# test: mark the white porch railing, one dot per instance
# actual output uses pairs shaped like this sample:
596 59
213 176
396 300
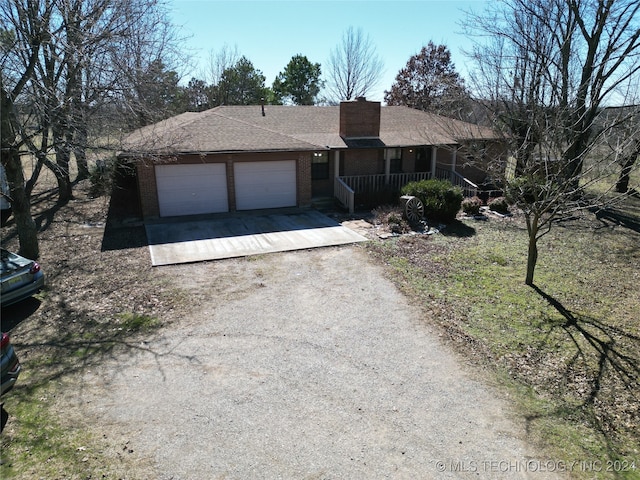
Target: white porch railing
469 188
344 194
376 183
345 188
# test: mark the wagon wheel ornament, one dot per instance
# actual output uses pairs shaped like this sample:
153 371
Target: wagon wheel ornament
414 210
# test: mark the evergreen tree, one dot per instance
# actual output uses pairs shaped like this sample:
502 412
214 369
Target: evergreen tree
299 83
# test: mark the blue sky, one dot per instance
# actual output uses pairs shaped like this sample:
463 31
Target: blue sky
270 32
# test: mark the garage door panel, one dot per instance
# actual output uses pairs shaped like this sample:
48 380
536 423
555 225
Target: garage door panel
265 184
192 189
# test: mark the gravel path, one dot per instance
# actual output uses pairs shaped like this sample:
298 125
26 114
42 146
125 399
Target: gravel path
309 365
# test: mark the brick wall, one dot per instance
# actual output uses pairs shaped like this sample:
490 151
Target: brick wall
363 162
304 179
147 189
231 183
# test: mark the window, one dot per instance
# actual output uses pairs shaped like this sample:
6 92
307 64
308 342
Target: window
395 157
320 166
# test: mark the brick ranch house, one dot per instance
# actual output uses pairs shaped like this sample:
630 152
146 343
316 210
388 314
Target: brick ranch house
232 158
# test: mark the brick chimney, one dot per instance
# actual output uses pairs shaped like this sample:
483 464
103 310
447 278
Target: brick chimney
360 119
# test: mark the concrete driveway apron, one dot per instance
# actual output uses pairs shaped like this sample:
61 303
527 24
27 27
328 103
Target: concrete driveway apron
239 235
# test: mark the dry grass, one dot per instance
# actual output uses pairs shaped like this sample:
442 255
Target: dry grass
570 348
101 296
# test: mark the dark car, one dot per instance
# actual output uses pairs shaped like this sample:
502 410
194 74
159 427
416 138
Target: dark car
19 277
10 365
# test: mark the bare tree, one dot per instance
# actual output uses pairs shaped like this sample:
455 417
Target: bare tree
354 68
627 163
624 143
429 82
64 64
148 60
25 27
547 70
227 57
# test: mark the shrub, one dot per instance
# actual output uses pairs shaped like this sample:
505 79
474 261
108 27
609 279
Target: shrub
471 206
394 218
523 189
391 218
499 205
101 177
441 199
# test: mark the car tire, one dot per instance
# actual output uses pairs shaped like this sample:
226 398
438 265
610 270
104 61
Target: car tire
5 418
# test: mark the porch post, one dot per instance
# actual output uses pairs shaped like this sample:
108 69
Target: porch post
336 163
454 159
387 167
434 156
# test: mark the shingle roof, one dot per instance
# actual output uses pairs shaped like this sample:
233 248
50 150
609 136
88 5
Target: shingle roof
244 128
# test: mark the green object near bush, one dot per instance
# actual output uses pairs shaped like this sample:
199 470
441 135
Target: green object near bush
441 199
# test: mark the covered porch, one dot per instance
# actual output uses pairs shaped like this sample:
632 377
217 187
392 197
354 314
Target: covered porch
346 188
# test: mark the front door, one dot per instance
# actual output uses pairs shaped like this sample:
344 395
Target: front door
423 159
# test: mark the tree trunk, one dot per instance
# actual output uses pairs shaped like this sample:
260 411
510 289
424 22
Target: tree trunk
80 152
573 164
65 191
61 171
21 206
83 167
532 253
622 185
20 200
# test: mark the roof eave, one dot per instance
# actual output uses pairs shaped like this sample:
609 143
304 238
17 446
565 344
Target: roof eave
167 153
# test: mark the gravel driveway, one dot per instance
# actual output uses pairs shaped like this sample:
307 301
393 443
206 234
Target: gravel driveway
306 365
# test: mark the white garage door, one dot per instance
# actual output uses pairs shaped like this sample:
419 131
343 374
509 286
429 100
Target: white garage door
265 184
192 189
